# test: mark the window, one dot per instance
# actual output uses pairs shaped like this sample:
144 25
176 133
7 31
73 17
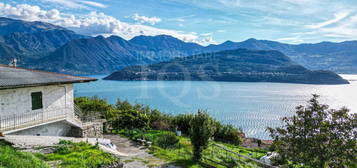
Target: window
36 98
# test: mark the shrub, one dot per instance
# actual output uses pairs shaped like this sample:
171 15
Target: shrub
160 121
202 129
92 105
11 158
227 134
161 125
182 123
167 140
131 119
317 136
80 155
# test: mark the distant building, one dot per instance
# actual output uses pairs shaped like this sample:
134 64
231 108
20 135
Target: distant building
38 103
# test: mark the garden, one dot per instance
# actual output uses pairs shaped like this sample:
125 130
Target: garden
66 154
170 137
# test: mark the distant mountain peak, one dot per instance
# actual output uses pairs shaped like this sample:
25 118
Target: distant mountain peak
251 40
240 65
228 42
8 26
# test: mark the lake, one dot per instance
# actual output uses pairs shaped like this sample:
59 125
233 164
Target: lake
250 106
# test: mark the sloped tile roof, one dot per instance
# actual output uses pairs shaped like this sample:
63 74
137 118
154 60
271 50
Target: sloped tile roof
14 77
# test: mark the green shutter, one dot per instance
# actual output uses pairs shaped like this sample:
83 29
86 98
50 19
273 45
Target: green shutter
36 98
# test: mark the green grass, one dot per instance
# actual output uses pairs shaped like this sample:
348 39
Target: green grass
12 158
182 155
69 155
79 155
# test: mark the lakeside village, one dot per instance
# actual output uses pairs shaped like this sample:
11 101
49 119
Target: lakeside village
42 125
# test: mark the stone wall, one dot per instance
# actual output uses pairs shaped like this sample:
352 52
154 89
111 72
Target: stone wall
89 130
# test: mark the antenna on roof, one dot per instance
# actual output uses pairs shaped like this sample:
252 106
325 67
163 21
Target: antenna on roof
13 62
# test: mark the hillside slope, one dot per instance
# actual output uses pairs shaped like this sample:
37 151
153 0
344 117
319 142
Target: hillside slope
239 65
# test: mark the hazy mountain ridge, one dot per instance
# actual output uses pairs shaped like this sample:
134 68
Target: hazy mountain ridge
339 57
44 46
92 55
239 65
28 41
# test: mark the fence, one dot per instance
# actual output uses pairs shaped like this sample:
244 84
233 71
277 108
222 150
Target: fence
229 158
28 119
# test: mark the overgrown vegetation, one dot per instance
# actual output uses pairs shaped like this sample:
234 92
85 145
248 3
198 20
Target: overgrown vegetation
181 153
79 155
67 154
124 115
12 158
141 123
202 129
317 137
167 140
314 137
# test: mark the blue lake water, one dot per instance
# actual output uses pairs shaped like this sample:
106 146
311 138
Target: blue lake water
250 106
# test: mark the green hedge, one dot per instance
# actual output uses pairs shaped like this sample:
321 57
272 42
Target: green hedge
124 115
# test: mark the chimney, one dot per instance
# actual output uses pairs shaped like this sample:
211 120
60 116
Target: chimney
13 62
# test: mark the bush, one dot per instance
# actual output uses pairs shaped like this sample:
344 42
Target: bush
131 119
202 129
317 136
227 134
182 123
167 140
80 155
92 105
160 121
11 158
161 125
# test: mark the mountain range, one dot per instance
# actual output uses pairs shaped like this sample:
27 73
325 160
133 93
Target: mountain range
45 46
240 65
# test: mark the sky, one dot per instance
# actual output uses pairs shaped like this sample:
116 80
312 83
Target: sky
201 21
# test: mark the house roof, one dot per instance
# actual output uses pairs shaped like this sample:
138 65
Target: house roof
14 77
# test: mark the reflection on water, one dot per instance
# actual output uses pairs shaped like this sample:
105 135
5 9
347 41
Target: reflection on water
251 106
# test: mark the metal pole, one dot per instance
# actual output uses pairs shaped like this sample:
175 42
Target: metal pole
14 121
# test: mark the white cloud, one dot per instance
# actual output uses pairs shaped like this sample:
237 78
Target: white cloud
77 3
67 3
206 34
95 4
93 23
145 19
345 29
338 17
231 3
291 40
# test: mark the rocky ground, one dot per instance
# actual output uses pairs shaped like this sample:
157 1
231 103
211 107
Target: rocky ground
137 156
131 154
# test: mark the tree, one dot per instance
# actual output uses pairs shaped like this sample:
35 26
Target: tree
318 136
131 119
91 106
202 129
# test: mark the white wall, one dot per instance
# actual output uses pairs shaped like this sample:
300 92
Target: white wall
56 99
53 129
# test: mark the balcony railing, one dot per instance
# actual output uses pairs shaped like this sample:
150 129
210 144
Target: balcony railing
34 118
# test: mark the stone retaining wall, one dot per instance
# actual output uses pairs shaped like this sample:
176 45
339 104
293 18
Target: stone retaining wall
89 130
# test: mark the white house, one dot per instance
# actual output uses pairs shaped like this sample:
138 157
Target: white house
37 103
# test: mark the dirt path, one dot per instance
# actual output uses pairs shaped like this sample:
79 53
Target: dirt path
137 156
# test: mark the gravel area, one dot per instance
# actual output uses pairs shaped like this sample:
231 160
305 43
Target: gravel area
137 156
130 153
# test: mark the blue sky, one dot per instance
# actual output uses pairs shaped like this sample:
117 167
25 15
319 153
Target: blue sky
201 21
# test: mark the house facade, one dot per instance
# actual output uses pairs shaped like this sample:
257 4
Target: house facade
37 103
